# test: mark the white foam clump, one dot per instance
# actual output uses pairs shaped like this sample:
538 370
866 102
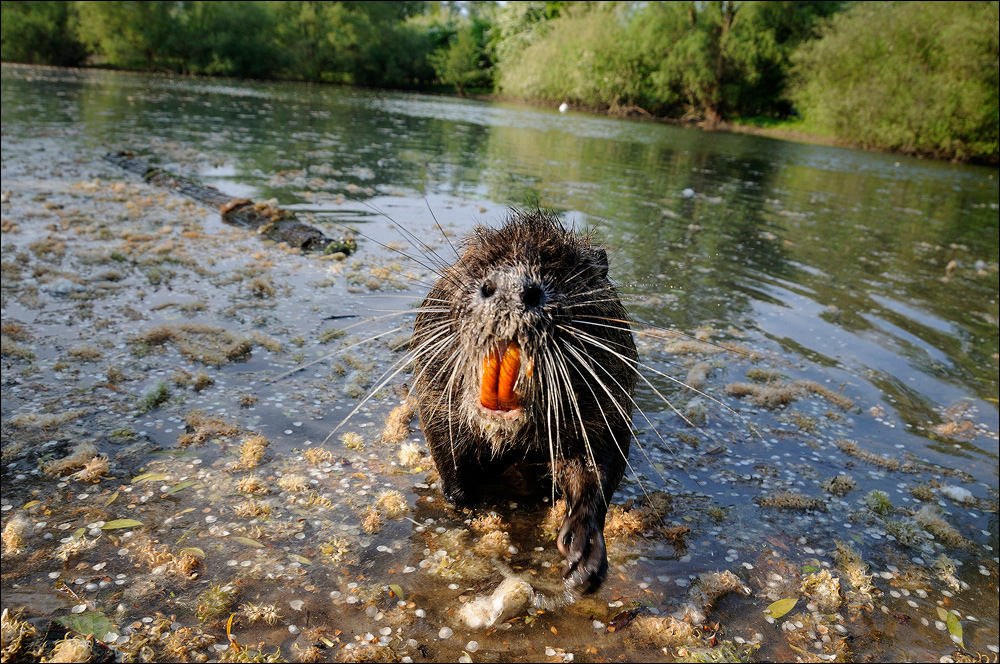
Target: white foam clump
958 494
510 597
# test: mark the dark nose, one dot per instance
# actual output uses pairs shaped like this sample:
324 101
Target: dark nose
531 295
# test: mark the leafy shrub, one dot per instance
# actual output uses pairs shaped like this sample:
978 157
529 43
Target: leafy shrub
919 77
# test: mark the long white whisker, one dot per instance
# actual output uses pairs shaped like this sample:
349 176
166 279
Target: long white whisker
385 379
596 341
625 414
303 367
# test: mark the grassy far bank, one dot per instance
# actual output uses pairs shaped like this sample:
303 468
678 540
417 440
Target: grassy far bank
919 78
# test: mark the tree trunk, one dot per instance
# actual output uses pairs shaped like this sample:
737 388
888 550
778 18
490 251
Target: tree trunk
274 223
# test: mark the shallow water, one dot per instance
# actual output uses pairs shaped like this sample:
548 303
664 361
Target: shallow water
873 276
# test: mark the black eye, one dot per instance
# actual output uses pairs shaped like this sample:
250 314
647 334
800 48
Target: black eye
488 288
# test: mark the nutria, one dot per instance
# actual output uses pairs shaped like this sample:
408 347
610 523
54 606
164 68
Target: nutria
523 353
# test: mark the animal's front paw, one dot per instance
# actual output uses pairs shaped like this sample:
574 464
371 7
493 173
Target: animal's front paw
581 540
455 494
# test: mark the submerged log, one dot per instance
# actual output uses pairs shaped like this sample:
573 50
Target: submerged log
272 222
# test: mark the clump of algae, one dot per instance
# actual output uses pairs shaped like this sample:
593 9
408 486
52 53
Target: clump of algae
409 455
930 519
454 559
698 374
78 458
487 523
201 343
335 549
625 523
944 569
201 427
17 636
266 613
841 485
661 631
74 649
367 652
215 602
158 556
771 394
493 544
251 509
317 456
851 448
46 420
15 534
879 502
252 452
155 397
93 470
397 424
353 441
293 482
391 504
856 571
823 588
371 521
67 551
251 484
791 501
250 655
553 520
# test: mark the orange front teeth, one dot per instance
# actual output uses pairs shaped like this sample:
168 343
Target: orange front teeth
500 368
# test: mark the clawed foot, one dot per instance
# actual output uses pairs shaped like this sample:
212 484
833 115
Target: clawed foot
581 540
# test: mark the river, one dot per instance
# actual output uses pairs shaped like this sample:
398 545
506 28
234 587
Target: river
817 416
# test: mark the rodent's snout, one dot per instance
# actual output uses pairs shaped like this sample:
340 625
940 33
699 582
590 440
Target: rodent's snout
525 290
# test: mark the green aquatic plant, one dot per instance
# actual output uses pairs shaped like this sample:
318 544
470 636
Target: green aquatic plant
879 502
215 602
154 398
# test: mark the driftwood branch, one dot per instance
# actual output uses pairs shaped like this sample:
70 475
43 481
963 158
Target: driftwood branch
272 222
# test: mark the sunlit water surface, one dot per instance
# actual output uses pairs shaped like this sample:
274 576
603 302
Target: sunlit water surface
873 277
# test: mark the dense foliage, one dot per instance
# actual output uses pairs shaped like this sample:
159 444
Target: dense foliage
919 77
914 77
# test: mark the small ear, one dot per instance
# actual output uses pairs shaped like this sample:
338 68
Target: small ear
599 262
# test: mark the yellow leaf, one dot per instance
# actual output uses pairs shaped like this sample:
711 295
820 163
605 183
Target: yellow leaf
781 607
121 523
178 487
248 542
955 628
149 477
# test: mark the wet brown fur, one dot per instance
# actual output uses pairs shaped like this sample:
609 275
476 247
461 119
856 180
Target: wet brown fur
547 287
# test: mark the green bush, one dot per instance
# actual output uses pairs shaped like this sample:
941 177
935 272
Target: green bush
918 77
583 58
40 33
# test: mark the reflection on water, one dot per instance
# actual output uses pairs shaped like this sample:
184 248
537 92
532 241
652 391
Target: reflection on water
871 276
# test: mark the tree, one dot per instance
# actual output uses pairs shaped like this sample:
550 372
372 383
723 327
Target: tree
41 33
461 62
704 54
230 38
129 32
911 76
